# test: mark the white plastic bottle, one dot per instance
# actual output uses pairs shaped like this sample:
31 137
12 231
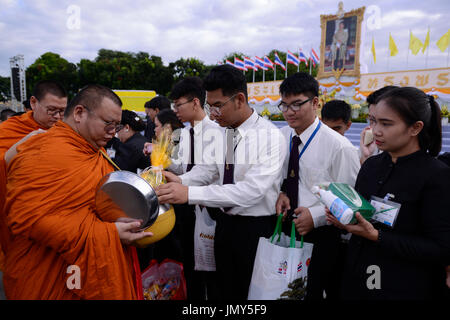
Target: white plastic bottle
337 207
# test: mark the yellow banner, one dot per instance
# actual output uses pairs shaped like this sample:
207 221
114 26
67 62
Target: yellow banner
268 88
424 79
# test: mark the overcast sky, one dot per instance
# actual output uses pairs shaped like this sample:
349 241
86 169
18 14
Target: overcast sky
210 29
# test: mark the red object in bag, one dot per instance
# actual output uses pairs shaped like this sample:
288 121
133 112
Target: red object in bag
164 281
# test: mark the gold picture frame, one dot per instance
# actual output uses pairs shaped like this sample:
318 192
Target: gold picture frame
339 50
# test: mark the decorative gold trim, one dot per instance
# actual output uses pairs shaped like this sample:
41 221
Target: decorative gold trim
323 24
419 70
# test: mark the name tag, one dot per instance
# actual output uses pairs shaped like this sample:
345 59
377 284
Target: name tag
386 211
111 152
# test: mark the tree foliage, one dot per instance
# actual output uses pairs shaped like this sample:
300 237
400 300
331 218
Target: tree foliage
132 71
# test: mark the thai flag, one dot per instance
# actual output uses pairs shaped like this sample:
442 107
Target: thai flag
219 63
267 62
249 63
292 59
302 56
239 64
260 63
229 62
314 57
279 62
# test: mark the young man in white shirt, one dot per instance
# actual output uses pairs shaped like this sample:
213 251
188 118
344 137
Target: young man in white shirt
248 163
317 154
188 96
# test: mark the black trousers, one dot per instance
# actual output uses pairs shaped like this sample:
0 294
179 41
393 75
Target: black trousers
235 246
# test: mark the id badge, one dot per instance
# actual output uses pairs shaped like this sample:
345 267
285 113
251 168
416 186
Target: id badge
111 152
386 210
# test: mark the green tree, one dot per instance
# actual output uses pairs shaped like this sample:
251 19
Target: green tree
5 89
51 66
189 67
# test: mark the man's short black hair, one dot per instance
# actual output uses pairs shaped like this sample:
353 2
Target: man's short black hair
374 96
159 102
300 83
27 105
190 88
91 96
44 87
227 78
6 113
336 110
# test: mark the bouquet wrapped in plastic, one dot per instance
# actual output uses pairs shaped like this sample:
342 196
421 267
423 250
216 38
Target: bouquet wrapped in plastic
160 159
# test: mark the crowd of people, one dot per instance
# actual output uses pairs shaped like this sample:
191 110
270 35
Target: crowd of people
240 171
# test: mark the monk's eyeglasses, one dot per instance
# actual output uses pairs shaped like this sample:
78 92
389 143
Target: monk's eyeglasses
109 126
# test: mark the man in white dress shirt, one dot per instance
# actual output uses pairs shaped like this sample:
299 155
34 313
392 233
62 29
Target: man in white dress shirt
188 96
317 154
249 180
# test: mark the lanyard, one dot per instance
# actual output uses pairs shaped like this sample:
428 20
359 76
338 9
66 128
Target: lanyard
307 142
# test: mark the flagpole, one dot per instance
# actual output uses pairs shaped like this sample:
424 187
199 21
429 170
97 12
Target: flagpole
264 78
298 66
448 54
253 74
388 55
426 58
275 73
285 74
409 48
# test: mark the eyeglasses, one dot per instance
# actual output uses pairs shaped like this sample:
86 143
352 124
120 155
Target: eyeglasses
216 109
54 112
295 106
109 126
175 107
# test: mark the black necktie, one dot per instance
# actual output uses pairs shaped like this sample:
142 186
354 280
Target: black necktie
292 175
228 171
229 159
192 162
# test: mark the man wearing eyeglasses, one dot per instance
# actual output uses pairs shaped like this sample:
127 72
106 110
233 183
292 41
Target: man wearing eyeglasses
317 154
57 236
188 96
248 163
48 102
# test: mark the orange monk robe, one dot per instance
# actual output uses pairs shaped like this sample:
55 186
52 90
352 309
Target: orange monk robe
11 131
50 212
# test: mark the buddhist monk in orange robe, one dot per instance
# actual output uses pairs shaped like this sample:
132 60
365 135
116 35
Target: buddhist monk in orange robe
50 210
48 102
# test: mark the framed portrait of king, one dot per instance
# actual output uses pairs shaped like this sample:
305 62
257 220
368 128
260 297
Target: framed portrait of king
340 43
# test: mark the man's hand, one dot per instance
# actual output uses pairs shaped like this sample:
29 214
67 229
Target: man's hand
171 177
282 206
130 232
172 192
304 222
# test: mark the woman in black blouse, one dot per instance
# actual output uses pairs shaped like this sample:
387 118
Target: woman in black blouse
130 143
406 261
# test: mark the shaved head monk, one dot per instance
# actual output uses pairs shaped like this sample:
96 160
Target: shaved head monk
61 247
48 102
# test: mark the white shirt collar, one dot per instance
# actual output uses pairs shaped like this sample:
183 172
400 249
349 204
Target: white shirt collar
304 136
248 124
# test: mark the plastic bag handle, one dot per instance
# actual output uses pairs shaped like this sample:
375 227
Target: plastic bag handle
277 228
